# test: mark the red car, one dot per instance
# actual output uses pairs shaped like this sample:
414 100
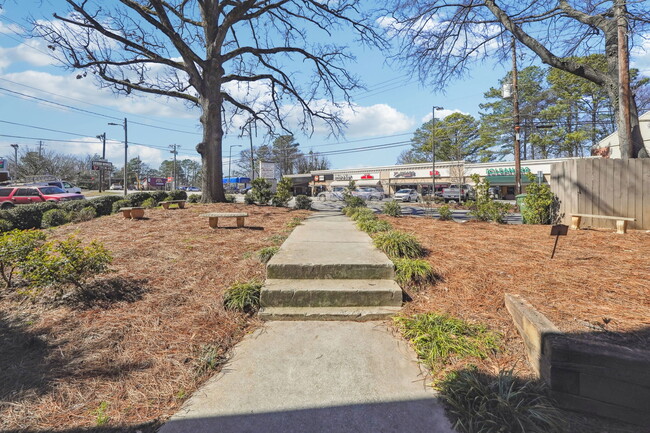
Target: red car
13 195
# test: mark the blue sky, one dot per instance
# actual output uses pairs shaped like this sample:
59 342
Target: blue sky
390 109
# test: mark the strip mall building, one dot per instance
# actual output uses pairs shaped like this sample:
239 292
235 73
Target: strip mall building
420 176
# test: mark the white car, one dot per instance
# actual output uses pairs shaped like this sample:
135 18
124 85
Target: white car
406 195
368 193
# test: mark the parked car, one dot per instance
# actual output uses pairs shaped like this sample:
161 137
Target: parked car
193 188
13 195
115 187
66 186
454 192
407 195
494 192
368 193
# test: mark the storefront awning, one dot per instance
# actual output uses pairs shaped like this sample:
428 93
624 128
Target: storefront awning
340 183
368 182
506 180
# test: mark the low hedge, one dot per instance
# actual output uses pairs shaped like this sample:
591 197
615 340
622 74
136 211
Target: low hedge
104 204
137 198
29 216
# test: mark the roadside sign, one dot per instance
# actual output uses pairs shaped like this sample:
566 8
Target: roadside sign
557 231
3 164
267 170
102 165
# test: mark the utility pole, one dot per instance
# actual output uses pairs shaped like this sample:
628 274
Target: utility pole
250 136
101 169
15 146
515 112
175 152
40 149
125 125
625 142
433 152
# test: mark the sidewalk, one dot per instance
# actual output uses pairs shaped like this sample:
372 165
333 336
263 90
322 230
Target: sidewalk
320 376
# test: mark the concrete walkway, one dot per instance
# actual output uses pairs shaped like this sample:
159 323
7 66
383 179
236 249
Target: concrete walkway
320 376
316 376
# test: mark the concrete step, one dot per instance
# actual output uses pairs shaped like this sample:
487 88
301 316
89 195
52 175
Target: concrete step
359 314
330 293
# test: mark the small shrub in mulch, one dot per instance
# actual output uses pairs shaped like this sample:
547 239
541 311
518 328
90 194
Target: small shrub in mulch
265 254
398 244
479 402
303 202
244 297
392 208
415 273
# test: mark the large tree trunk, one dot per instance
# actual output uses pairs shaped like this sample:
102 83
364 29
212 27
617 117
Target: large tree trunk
210 148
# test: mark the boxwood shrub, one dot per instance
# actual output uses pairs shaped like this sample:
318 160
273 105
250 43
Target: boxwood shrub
194 198
303 202
104 204
75 205
54 218
120 204
136 198
158 195
29 216
176 194
5 225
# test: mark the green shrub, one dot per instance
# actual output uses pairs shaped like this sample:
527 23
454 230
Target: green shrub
303 202
243 297
15 247
65 263
539 205
5 225
354 201
392 208
85 214
374 225
260 191
120 204
104 204
149 203
265 254
158 195
248 199
137 198
363 214
484 208
415 273
176 194
445 213
194 198
29 216
75 205
282 193
230 198
479 402
398 244
437 338
54 218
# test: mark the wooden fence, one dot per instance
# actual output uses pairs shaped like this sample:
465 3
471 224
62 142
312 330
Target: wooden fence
612 187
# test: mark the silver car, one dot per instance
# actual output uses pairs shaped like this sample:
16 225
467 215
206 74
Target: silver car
368 194
406 195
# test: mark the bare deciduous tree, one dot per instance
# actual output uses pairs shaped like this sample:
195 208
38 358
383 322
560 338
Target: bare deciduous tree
233 59
441 38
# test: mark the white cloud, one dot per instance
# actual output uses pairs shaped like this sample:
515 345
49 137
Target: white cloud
441 114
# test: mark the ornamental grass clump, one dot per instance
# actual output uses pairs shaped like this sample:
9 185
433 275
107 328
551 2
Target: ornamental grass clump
363 214
372 226
478 402
244 297
392 208
265 254
415 273
437 338
444 213
398 244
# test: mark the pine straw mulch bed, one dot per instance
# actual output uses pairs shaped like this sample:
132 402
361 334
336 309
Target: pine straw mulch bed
596 287
146 335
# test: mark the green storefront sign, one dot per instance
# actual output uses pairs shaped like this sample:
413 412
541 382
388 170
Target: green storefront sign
507 171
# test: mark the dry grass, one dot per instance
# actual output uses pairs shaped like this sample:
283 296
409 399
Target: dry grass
595 277
137 349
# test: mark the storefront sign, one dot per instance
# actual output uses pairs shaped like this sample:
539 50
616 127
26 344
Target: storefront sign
102 165
267 170
359 176
157 181
417 174
507 171
3 164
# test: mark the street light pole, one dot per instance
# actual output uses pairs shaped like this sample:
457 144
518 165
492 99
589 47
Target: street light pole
101 169
229 160
126 147
433 152
15 146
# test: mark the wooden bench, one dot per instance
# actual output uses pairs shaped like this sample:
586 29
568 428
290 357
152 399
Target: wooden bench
179 203
621 222
132 212
213 217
